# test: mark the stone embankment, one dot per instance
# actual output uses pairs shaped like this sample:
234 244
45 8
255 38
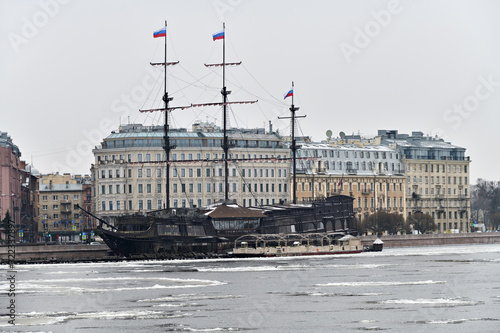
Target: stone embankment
434 239
44 253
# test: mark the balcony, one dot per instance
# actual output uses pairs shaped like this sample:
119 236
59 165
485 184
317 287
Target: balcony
366 192
351 171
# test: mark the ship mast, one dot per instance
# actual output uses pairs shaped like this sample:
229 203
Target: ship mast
224 92
167 146
293 146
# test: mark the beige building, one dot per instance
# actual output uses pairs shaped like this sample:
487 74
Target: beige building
437 177
371 174
60 218
129 171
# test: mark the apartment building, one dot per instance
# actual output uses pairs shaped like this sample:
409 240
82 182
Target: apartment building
371 174
129 170
438 181
60 218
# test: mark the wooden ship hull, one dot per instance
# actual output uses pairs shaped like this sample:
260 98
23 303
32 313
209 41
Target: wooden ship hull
213 231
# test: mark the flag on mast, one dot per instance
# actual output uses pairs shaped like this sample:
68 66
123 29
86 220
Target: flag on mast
288 94
160 33
218 35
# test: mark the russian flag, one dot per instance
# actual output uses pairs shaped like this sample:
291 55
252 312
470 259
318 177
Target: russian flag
218 35
288 94
160 33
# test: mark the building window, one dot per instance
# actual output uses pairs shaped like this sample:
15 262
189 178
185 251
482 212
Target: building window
103 205
158 188
140 188
148 188
140 205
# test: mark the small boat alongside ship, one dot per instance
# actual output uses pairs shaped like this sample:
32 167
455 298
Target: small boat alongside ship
276 245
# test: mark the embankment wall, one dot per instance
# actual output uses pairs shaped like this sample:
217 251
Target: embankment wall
434 239
42 252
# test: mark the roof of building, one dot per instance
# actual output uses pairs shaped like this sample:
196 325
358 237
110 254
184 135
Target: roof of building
60 187
137 131
6 142
323 146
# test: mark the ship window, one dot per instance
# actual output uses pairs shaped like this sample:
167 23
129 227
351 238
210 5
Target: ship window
195 230
168 230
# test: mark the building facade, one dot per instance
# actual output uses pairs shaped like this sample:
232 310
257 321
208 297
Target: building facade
10 178
28 226
60 219
129 170
371 174
437 178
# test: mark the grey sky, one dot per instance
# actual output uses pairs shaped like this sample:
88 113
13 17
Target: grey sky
70 71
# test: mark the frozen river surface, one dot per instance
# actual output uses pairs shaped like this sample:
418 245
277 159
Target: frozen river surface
438 289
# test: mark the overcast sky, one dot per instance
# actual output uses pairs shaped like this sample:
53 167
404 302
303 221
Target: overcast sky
72 70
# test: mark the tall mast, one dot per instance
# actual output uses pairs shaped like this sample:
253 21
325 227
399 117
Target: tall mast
167 146
225 143
224 92
293 147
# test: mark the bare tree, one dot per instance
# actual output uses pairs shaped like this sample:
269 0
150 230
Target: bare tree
381 221
495 220
422 222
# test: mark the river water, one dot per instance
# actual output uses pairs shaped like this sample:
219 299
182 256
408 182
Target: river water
438 289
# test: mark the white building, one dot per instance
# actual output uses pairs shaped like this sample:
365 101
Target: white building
129 170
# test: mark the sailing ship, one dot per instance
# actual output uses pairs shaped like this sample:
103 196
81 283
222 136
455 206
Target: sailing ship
180 231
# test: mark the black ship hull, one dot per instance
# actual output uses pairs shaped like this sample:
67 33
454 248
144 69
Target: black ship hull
193 231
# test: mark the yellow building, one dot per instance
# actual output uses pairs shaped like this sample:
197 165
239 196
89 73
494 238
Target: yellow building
60 218
437 178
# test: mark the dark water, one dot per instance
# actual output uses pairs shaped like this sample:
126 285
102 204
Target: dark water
438 289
